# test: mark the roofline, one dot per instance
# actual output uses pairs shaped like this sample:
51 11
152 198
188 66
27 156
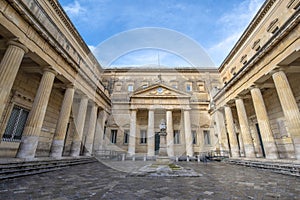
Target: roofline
250 28
144 69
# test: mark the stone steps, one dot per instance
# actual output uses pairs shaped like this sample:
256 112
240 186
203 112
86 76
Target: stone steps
279 166
13 169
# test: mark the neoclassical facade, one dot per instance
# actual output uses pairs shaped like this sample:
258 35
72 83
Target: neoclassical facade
56 100
144 97
51 95
257 109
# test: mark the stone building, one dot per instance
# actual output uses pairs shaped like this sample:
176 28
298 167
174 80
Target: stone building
257 108
56 100
143 97
51 95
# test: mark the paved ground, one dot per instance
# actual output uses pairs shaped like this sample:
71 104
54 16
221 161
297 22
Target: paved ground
98 181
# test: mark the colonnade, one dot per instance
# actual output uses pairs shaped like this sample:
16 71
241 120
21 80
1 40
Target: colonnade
169 130
9 67
290 111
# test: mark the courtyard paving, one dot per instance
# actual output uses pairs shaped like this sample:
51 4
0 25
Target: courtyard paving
111 180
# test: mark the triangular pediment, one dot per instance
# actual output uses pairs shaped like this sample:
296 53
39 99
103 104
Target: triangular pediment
159 90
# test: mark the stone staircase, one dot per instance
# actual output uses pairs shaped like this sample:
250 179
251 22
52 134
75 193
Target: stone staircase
289 167
16 168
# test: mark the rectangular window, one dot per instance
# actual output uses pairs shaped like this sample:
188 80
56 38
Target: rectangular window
188 87
126 136
113 136
206 137
130 88
176 137
194 135
16 124
143 137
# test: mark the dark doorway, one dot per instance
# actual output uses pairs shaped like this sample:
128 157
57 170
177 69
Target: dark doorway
157 141
260 140
229 147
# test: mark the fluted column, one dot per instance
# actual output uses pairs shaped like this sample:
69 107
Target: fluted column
62 123
245 130
91 131
264 123
221 128
100 128
79 126
170 134
9 67
188 133
289 107
132 137
231 133
36 116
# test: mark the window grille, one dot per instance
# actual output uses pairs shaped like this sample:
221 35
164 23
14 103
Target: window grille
113 137
16 124
143 137
206 137
176 137
126 136
194 135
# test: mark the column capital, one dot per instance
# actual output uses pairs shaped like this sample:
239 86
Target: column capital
15 43
84 96
277 69
254 86
70 85
50 69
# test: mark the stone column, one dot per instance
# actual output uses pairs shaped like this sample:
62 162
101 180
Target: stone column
221 128
150 133
231 133
99 133
132 137
188 133
245 130
170 133
9 67
91 131
264 123
36 116
289 107
62 123
79 125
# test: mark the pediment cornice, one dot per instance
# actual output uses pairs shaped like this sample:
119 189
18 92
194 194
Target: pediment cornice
159 90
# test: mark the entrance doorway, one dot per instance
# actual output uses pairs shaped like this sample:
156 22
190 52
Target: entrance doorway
157 141
260 140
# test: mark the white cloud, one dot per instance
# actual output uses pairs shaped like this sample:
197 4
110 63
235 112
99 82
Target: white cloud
232 25
74 9
91 47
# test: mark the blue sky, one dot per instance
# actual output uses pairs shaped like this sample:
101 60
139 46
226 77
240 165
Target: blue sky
214 24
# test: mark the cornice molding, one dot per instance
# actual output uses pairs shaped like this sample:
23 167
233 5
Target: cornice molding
249 30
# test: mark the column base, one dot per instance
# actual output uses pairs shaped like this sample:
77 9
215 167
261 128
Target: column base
57 148
249 151
75 148
270 150
87 153
28 147
150 154
235 153
296 141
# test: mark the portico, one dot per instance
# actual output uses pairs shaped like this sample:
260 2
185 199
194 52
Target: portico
160 101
